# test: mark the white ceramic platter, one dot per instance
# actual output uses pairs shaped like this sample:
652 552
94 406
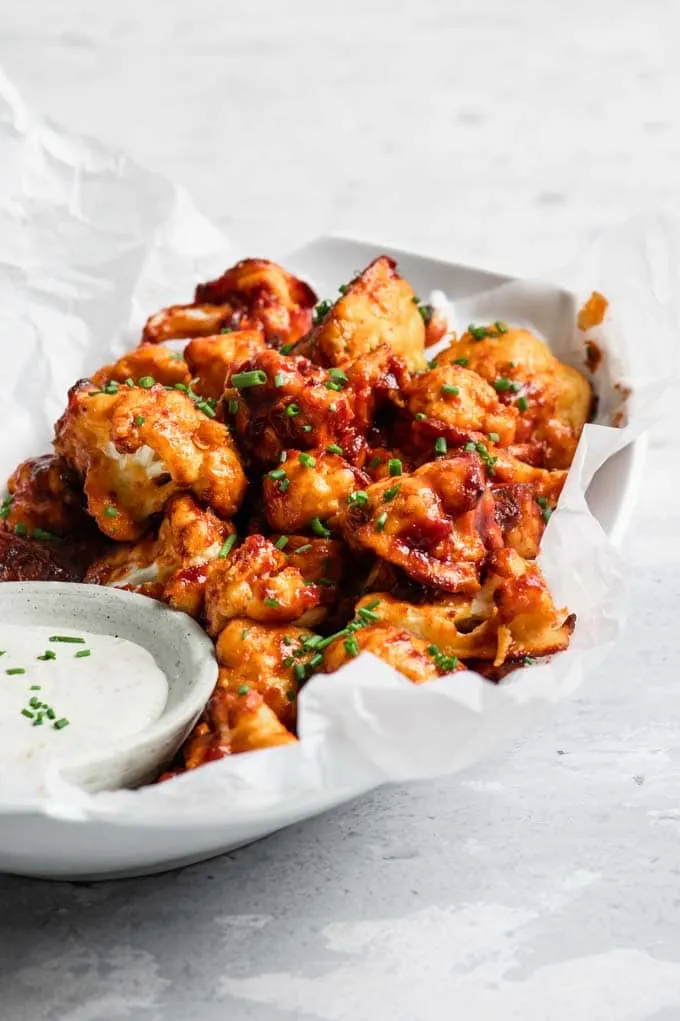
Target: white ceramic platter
53 844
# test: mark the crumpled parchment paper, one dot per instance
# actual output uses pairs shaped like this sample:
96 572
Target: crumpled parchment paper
90 244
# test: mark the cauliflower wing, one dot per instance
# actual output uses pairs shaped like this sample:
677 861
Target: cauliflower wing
276 403
267 659
396 647
308 485
376 307
521 517
453 402
255 293
134 448
554 400
512 617
257 581
435 523
43 500
210 358
148 360
172 566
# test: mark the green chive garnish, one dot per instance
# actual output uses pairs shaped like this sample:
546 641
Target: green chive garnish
304 548
146 382
227 546
83 653
381 521
243 690
278 380
292 410
20 529
501 326
522 404
242 380
40 533
358 499
307 460
394 466
27 713
420 417
139 419
390 493
48 654
440 446
333 448
276 474
232 407
318 527
374 462
494 437
461 361
66 638
351 646
448 389
273 603
60 724
502 384
15 670
282 542
111 512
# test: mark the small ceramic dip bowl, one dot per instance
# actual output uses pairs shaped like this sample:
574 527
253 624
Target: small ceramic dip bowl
127 751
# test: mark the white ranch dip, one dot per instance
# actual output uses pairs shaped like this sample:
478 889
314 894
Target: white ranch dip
65 698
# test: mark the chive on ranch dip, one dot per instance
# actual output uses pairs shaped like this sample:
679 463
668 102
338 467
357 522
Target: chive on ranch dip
67 693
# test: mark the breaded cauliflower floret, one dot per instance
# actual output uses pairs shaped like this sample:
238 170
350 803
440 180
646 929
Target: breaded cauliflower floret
148 360
522 517
255 293
554 400
276 403
435 523
210 358
511 617
43 500
172 566
456 403
134 448
377 307
257 581
266 658
230 724
396 647
308 485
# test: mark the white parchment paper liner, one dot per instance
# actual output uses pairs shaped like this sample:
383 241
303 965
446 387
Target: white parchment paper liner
90 244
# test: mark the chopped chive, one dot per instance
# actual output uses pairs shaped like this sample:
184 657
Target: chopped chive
306 428
34 687
542 502
380 521
243 689
332 384
351 646
276 474
358 499
20 529
50 714
461 361
318 527
227 329
367 615
478 332
288 661
523 404
515 387
139 419
321 311
502 384
448 389
282 542
284 484
227 546
286 349
48 654
326 582
273 603
390 493
420 417
60 724
110 512
372 605
83 653
527 661
40 533
546 514
37 722
291 696
315 661
374 462
470 446
307 460
177 356
501 326
333 448
440 446
494 437
292 410
299 672
243 380
66 638
15 670
283 457
279 379
232 407
244 633
146 382
333 408
287 640
338 375
27 713
303 548
34 702
394 466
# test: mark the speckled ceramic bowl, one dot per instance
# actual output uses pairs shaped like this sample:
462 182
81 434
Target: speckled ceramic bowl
179 646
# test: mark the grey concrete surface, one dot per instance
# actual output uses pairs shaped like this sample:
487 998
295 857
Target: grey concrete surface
543 884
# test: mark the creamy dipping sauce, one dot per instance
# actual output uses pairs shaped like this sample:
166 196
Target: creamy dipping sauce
66 693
